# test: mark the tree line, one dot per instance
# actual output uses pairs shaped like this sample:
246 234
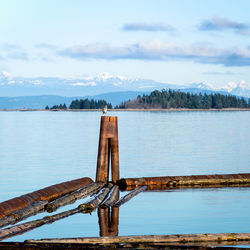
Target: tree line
165 99
83 104
61 106
176 99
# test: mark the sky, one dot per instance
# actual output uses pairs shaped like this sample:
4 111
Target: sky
179 42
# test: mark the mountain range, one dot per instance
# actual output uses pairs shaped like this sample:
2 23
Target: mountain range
20 92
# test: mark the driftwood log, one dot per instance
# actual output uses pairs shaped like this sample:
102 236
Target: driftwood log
170 239
130 195
112 198
49 193
97 200
52 206
23 213
186 181
84 208
139 245
72 197
25 227
155 188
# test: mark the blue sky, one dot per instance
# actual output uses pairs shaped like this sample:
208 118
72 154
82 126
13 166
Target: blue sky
180 42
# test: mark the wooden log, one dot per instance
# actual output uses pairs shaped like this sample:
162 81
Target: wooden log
48 193
24 227
136 245
175 238
97 200
115 151
155 188
23 213
102 168
112 198
72 197
130 195
193 180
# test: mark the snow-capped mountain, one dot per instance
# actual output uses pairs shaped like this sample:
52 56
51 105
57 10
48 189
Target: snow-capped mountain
102 83
240 89
82 86
203 86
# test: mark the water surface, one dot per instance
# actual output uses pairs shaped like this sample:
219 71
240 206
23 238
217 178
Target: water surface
38 149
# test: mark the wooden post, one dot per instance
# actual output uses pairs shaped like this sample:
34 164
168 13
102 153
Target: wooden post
102 160
108 146
115 152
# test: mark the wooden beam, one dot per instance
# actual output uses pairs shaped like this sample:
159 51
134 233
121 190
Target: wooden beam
83 208
114 151
130 195
24 213
97 200
49 193
72 197
186 181
112 198
175 238
102 158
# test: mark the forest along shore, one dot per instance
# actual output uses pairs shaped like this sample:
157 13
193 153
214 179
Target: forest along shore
124 110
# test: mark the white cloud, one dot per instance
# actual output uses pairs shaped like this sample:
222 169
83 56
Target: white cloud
164 51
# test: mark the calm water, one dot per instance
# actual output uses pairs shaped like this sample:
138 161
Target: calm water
38 149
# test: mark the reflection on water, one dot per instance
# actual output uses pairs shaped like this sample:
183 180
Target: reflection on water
108 219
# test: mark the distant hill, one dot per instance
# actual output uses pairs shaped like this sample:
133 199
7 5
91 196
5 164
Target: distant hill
33 102
40 102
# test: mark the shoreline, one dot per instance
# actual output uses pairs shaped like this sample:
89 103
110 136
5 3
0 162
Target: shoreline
124 110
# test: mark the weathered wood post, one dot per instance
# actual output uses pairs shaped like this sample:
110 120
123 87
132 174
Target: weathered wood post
115 151
108 146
